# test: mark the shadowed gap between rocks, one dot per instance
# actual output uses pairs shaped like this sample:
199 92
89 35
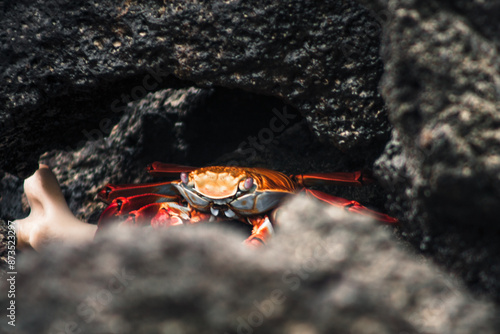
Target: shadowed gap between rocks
230 119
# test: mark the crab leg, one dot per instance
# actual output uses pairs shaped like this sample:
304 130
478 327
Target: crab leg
124 205
112 191
163 169
262 231
159 215
358 178
351 206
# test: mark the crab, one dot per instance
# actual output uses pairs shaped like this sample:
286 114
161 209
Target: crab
218 193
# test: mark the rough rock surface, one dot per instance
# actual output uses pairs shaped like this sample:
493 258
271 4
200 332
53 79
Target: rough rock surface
442 86
12 204
68 64
344 274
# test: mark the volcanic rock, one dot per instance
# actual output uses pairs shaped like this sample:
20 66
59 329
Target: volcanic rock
341 273
69 65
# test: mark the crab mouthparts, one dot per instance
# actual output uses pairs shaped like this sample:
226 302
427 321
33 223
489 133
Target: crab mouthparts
216 209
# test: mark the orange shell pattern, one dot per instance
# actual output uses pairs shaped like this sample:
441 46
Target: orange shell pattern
222 182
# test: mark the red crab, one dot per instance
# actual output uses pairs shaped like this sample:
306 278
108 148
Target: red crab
250 195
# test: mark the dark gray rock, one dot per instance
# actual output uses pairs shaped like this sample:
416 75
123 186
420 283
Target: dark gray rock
67 65
338 273
442 86
441 167
12 205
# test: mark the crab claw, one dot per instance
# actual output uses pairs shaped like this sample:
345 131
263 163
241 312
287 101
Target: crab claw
214 211
158 215
230 213
121 206
262 231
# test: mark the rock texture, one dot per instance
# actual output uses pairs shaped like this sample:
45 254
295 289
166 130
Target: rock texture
344 274
69 64
442 86
12 204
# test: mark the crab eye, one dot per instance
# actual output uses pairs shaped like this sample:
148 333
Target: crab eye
246 185
184 178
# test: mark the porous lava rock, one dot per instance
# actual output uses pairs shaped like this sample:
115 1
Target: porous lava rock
66 65
343 274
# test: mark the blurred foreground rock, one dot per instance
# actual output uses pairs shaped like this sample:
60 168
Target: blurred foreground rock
325 272
441 84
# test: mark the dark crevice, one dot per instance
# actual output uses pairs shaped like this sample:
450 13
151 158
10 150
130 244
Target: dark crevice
227 120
